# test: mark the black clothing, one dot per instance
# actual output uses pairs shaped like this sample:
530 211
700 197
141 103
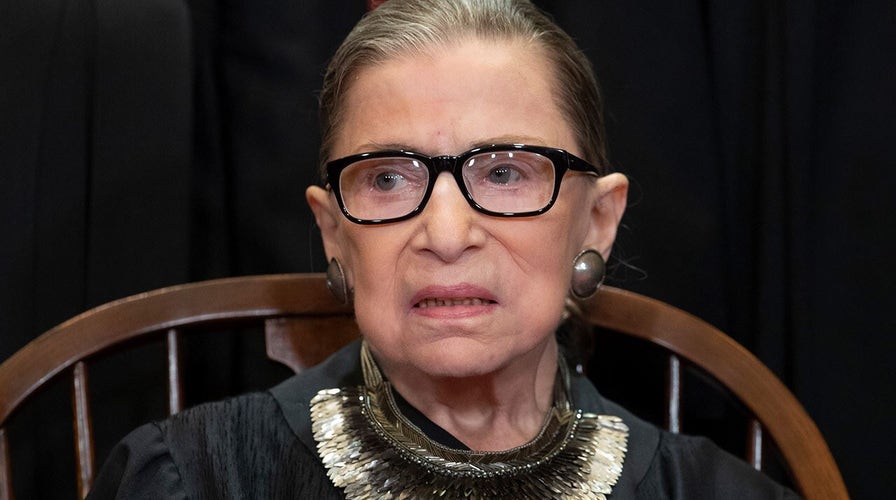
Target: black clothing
260 446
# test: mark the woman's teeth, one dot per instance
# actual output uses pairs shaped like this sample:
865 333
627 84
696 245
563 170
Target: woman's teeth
466 301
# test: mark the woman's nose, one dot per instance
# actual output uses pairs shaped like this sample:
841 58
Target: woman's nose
449 223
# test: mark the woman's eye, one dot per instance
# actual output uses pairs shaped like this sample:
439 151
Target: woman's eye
388 181
503 174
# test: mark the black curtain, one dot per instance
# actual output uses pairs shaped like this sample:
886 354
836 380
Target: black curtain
152 142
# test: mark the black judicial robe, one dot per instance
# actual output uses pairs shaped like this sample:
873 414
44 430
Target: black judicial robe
260 446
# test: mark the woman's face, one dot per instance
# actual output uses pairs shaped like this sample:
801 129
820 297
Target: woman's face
494 287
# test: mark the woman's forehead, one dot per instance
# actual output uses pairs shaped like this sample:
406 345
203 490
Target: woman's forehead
454 97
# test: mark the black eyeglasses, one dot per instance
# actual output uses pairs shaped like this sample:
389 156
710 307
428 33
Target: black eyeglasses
504 180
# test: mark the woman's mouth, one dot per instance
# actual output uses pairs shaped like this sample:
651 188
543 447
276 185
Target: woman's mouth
454 301
461 298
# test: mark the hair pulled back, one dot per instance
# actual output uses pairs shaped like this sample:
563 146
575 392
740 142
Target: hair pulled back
406 27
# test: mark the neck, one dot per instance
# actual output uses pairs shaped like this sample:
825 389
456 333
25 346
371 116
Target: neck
489 412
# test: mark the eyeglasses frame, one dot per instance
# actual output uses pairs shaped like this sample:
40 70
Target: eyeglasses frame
561 159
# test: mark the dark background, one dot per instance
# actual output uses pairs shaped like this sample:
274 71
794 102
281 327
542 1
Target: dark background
153 142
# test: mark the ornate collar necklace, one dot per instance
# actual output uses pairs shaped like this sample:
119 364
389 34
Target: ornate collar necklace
373 451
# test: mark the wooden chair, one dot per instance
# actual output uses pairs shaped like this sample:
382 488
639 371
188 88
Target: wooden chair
295 308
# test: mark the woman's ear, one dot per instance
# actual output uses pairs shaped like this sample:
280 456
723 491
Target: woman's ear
327 217
608 205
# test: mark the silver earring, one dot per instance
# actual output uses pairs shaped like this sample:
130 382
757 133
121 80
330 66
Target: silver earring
336 282
588 270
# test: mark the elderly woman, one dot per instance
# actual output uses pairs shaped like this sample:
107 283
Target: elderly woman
467 199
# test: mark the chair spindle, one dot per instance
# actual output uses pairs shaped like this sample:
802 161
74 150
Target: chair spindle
83 428
755 437
175 387
673 394
5 469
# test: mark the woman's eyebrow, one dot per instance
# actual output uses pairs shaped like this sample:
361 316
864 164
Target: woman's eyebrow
507 139
478 143
379 146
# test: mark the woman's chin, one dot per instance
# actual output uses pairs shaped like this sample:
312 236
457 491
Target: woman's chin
460 359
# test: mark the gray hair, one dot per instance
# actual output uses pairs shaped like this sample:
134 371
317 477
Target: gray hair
401 27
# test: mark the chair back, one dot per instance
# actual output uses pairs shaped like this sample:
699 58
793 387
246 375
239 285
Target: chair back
304 324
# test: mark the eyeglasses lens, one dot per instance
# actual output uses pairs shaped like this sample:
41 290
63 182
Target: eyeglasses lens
383 188
509 182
